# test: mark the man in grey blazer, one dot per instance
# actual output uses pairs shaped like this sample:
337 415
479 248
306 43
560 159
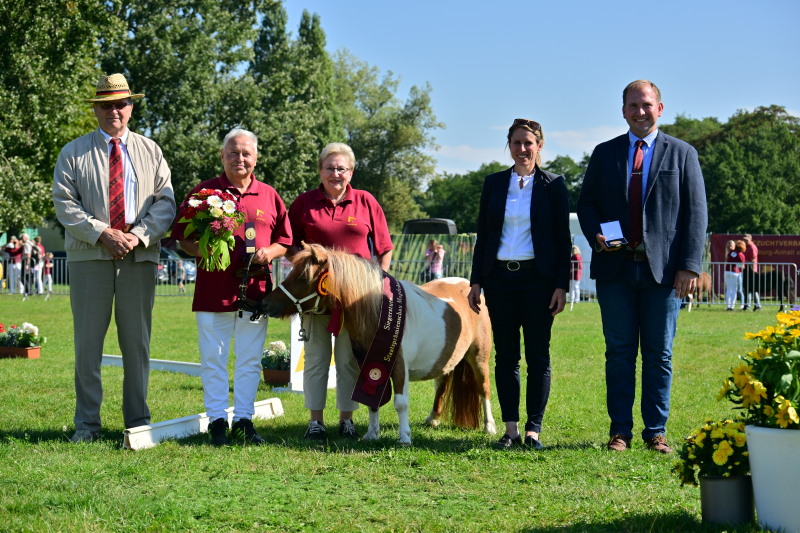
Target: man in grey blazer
112 260
640 283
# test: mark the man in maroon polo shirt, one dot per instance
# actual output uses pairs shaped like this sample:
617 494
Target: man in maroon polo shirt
216 292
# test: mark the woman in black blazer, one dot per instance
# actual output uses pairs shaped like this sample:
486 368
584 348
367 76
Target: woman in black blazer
522 264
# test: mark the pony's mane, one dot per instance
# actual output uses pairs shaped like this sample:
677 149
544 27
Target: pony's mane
358 284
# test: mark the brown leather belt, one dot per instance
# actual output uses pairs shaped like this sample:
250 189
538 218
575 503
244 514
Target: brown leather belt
635 256
513 266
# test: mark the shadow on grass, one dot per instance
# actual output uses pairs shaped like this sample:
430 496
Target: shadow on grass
652 523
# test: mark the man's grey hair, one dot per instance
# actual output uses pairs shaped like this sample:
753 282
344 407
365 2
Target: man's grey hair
240 132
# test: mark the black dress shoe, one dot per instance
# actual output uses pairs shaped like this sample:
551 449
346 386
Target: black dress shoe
506 442
530 442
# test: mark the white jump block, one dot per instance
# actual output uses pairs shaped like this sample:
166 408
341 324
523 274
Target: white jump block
142 437
192 369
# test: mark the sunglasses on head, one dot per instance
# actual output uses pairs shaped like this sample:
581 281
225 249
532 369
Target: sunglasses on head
119 104
532 124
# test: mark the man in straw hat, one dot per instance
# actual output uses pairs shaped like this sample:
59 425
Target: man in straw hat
113 195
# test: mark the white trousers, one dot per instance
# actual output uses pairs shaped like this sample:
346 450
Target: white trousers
318 363
731 287
574 290
214 332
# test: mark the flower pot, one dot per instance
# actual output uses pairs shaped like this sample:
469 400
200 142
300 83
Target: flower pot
775 467
25 353
276 377
726 500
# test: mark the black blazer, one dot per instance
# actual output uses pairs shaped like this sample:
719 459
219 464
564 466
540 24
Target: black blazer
552 244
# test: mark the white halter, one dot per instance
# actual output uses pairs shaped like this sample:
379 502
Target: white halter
298 304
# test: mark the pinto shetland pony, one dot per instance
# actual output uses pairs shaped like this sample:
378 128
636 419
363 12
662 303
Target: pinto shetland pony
444 339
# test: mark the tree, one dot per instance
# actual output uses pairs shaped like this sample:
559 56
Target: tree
47 68
294 82
752 174
457 196
389 137
573 174
186 56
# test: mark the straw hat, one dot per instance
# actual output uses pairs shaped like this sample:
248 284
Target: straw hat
114 87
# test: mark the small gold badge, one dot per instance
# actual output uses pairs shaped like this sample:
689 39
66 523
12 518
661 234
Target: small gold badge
375 374
250 233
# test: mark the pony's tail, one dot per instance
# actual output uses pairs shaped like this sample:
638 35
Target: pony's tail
461 398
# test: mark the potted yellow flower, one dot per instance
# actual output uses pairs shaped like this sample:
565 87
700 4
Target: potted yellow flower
765 385
20 341
716 454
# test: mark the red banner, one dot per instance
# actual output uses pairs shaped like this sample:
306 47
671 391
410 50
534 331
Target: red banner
771 248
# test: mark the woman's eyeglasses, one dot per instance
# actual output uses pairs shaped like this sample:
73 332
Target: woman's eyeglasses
334 170
532 124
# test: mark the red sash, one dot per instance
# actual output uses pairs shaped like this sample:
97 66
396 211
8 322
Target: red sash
372 386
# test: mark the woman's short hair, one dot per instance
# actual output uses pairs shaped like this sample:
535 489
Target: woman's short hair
740 245
531 126
239 132
337 149
576 250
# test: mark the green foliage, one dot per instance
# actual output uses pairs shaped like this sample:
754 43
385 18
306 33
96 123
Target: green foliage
46 69
457 196
389 137
573 173
751 166
452 479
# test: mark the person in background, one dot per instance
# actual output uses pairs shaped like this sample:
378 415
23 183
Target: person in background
651 184
14 253
217 292
112 192
434 258
576 263
37 262
734 263
336 215
521 262
751 269
27 265
48 273
180 276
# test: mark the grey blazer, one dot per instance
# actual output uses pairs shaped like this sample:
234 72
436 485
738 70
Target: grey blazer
675 211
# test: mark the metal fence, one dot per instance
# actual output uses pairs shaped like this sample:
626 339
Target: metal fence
774 283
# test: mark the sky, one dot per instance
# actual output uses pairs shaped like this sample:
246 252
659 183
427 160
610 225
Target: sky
565 63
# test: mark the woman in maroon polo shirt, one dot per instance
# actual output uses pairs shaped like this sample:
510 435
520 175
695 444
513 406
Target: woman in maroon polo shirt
216 292
336 215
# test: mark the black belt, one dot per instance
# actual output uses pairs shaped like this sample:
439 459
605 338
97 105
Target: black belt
635 256
513 266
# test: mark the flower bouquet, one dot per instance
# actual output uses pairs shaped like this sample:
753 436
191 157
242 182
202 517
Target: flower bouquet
214 214
276 357
715 449
24 336
766 383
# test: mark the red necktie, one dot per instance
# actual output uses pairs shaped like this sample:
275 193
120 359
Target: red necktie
116 188
635 197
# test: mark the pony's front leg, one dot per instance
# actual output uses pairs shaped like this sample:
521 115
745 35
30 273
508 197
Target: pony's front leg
401 406
374 428
435 418
488 419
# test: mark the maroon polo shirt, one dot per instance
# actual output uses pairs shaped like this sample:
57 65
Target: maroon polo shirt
218 291
348 225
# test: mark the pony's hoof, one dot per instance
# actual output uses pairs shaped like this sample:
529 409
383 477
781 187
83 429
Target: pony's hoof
404 443
490 428
369 435
433 422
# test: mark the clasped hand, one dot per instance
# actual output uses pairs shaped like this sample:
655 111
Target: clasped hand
118 243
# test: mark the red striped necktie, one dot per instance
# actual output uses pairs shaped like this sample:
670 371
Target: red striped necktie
635 197
116 188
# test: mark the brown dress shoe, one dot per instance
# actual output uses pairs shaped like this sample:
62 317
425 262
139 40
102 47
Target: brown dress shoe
658 444
618 443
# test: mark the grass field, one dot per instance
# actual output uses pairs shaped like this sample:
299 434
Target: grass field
449 480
